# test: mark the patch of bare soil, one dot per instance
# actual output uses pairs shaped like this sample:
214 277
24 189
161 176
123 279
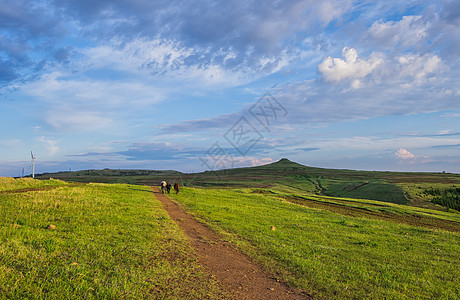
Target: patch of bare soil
237 274
410 219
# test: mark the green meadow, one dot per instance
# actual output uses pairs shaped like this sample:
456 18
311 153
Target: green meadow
337 234
11 184
333 254
407 188
93 241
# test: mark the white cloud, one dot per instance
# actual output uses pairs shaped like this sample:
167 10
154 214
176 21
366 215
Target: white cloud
404 154
244 161
445 131
382 71
351 67
406 33
419 68
78 121
169 60
451 115
156 55
260 161
356 84
61 87
332 9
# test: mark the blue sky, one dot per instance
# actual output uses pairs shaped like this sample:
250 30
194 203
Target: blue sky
197 85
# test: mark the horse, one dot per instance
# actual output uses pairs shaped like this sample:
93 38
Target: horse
163 186
176 187
168 187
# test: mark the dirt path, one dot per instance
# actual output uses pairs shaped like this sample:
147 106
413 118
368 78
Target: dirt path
237 274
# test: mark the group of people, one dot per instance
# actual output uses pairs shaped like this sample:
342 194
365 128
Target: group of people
166 187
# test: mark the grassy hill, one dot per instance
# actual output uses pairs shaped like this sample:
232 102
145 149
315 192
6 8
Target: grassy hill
395 187
337 234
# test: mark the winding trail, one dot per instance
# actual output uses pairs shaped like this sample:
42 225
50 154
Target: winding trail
237 274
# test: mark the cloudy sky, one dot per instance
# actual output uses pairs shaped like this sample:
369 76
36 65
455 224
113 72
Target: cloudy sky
196 85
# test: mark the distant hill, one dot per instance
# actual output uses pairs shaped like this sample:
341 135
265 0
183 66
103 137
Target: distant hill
397 187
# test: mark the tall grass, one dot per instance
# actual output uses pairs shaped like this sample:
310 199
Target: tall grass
8 183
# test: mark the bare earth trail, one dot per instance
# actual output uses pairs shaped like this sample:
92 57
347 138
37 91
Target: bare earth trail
237 274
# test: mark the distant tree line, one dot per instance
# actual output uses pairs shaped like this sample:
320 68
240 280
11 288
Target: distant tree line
448 198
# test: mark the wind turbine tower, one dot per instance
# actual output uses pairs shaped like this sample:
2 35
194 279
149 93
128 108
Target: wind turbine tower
33 164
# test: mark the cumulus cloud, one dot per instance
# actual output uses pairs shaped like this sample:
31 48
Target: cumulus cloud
404 154
351 67
407 32
419 68
406 70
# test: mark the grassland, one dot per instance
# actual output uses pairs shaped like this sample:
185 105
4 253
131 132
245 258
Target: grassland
87 241
352 253
394 187
14 185
338 234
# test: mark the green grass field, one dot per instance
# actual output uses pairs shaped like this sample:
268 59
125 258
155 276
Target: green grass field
339 234
394 187
344 253
93 241
11 184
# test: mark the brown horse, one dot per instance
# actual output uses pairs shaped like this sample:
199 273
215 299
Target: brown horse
176 187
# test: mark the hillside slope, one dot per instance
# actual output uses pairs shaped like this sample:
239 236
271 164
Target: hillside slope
396 187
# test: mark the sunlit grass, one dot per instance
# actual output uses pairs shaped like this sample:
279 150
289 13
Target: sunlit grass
331 255
94 241
8 183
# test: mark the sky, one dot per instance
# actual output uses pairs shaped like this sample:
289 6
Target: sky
205 85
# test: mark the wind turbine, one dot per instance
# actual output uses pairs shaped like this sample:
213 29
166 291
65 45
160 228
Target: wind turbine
33 164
